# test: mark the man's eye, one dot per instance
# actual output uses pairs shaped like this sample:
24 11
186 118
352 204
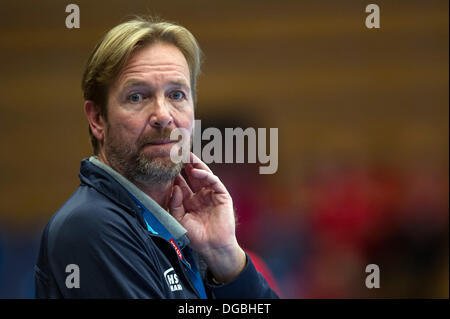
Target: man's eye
177 95
136 97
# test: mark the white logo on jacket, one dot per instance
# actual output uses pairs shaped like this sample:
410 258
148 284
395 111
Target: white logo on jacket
172 280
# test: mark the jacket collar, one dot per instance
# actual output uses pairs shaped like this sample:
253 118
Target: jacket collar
101 181
116 187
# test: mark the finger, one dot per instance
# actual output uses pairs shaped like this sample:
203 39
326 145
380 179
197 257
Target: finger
186 190
176 203
209 180
198 163
194 184
195 162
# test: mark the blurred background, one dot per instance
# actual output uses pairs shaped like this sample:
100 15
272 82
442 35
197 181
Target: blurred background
362 117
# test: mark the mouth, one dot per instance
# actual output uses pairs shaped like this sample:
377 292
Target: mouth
161 141
160 144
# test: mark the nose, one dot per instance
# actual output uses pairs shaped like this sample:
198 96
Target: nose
160 116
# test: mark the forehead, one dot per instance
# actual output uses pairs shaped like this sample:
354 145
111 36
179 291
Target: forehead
156 62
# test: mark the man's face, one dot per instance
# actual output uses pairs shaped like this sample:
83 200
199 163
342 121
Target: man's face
150 97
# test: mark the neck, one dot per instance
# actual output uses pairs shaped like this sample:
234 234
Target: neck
160 192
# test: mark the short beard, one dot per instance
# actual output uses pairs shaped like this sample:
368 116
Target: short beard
154 171
139 167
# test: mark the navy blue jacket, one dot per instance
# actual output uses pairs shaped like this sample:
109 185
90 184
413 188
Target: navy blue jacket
101 230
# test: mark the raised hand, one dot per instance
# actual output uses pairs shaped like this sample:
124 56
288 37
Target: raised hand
205 209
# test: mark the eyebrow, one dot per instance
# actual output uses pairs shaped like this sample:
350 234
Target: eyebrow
134 82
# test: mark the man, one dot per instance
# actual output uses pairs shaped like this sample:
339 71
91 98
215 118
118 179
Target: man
136 228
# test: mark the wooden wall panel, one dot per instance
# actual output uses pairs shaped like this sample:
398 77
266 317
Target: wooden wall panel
310 68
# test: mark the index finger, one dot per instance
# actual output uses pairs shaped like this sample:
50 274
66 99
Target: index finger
198 163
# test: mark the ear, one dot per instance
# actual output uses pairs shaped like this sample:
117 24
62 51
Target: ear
96 121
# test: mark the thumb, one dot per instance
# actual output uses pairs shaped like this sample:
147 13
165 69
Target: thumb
176 203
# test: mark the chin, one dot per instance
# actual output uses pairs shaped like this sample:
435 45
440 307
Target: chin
157 170
156 160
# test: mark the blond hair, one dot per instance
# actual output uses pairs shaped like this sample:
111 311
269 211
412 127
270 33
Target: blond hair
115 48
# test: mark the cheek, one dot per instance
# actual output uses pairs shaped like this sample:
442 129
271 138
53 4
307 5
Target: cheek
185 120
125 129
126 125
